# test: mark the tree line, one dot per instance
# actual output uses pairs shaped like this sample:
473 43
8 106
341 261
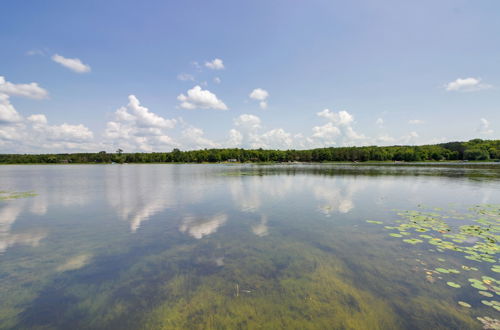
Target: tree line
476 149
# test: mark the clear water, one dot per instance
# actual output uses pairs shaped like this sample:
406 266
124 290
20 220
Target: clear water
234 247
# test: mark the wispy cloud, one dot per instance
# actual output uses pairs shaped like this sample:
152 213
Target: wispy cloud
73 64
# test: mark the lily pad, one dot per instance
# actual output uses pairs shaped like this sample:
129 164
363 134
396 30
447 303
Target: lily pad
375 222
485 293
454 285
464 304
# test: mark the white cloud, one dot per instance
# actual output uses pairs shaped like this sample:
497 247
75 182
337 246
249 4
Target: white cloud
31 90
261 95
59 133
484 127
343 117
185 77
215 64
197 98
217 80
248 122
8 113
379 122
193 138
134 128
326 133
248 134
34 134
143 117
235 138
466 85
415 121
337 131
73 64
275 139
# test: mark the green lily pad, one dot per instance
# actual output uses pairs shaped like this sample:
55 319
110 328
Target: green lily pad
454 285
412 241
464 304
442 270
375 222
485 293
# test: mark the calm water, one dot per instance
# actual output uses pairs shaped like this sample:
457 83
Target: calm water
237 247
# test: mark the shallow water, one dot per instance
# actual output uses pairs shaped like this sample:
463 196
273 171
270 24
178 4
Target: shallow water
241 246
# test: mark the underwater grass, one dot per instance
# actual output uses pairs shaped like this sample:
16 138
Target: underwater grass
10 195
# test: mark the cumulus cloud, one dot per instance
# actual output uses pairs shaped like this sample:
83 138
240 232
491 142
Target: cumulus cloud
343 117
248 122
8 113
327 133
249 134
466 85
134 127
337 131
59 133
73 64
197 98
261 95
276 138
34 134
193 138
235 138
31 90
215 64
415 121
484 127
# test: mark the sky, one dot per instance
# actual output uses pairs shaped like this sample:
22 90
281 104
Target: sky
142 76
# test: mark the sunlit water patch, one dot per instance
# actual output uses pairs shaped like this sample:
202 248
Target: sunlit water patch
246 246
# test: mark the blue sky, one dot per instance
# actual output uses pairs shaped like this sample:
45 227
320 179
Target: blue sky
155 75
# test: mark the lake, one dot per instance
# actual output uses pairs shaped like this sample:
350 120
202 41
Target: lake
333 246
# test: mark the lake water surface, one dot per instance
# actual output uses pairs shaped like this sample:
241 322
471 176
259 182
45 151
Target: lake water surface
249 247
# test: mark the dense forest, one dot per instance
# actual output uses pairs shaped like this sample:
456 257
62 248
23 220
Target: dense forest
476 149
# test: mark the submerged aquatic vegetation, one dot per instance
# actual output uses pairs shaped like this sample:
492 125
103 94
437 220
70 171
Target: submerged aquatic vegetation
10 195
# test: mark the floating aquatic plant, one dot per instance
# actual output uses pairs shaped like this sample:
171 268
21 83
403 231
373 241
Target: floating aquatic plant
476 241
464 304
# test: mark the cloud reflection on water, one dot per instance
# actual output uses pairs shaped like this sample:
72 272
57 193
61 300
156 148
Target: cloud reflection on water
198 227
